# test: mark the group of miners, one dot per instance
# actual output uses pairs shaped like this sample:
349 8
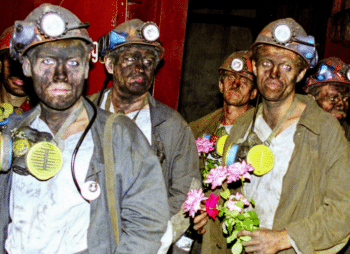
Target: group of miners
109 173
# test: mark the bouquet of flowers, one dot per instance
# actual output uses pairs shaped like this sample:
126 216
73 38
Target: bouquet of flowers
232 212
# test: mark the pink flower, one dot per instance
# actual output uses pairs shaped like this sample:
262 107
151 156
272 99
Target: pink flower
246 201
216 176
237 169
193 201
204 145
210 204
247 166
238 196
231 205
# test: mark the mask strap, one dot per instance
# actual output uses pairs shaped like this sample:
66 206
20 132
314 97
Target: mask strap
290 111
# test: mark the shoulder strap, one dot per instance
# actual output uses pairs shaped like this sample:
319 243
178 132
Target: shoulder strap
109 173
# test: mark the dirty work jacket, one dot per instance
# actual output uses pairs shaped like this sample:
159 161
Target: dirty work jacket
314 206
180 165
140 193
207 124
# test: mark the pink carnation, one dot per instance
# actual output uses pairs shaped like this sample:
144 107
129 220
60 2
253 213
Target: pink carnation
231 205
246 201
211 206
216 176
239 197
237 169
204 145
193 201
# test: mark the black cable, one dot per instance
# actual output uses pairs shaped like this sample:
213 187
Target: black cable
79 144
105 83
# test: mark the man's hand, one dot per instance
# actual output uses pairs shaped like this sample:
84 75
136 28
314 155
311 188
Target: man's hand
200 221
265 241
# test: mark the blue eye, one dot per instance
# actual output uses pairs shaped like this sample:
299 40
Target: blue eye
73 63
48 61
287 67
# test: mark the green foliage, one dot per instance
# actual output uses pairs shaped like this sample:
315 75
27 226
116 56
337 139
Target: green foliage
234 222
225 194
237 248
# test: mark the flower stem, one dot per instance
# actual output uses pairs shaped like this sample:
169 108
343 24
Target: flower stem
242 181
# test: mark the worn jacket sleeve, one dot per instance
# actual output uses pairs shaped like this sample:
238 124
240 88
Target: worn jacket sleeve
325 226
142 194
184 166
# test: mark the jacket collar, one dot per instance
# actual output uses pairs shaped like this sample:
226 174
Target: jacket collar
310 118
158 114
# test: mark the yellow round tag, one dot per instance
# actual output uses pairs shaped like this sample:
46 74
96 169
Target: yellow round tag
20 147
220 145
261 158
8 109
44 160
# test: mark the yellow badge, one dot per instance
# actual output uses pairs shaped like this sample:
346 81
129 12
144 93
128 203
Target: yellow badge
220 145
7 109
261 158
20 147
44 160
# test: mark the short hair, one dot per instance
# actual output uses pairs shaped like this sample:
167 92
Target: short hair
116 52
301 63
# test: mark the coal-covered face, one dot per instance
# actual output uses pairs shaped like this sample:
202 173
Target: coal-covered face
58 70
133 71
334 98
277 71
237 90
13 78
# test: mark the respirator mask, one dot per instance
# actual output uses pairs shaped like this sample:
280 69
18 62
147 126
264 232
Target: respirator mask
29 151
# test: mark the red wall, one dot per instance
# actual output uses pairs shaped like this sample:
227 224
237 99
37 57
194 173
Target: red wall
104 15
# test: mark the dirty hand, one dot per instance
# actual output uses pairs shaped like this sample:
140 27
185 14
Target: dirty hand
265 241
200 221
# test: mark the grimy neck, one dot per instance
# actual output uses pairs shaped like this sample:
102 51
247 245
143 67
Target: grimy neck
55 118
15 101
231 113
273 111
128 103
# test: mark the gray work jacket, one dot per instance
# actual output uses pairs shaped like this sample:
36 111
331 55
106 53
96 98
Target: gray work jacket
140 192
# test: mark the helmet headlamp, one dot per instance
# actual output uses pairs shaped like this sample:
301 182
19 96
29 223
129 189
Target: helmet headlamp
52 24
282 34
237 64
347 73
46 23
150 32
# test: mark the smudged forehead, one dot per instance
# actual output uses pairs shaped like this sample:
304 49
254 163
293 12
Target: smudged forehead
337 88
63 49
139 52
276 52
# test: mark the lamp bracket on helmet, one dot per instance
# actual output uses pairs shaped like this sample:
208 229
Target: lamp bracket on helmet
149 32
53 25
238 64
283 34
